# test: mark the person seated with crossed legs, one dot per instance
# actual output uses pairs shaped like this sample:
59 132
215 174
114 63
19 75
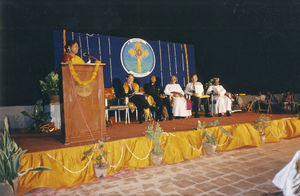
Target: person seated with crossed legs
195 90
131 89
222 102
156 91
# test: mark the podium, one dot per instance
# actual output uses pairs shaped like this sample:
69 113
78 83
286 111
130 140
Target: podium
83 113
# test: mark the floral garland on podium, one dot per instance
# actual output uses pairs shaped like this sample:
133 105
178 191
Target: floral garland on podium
77 79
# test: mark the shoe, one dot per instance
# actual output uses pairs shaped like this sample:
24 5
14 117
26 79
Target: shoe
228 113
219 114
197 115
141 122
171 118
208 115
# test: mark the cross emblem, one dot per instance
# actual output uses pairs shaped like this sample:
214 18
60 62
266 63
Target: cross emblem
138 52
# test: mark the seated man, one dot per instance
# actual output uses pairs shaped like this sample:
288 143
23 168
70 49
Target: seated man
155 90
195 90
174 90
222 101
131 89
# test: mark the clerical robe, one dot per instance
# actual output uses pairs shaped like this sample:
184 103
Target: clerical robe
222 102
180 105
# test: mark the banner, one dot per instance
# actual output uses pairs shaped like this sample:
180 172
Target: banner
122 55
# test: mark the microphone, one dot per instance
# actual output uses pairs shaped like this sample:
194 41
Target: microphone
89 56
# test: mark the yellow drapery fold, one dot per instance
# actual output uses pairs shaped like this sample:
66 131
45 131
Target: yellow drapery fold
67 169
187 64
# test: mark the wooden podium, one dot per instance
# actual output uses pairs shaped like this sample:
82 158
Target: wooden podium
83 113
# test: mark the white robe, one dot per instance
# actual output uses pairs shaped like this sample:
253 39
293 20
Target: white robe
222 102
179 108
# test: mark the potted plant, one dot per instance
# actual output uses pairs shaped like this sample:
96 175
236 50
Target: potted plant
260 126
209 139
10 155
209 83
154 135
38 116
100 165
49 87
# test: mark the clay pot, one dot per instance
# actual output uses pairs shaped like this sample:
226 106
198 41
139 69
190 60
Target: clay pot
6 190
157 158
209 148
101 171
54 99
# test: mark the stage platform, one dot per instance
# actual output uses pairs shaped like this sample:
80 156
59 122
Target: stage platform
128 149
42 142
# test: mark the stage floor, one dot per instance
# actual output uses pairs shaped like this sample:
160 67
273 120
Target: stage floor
42 142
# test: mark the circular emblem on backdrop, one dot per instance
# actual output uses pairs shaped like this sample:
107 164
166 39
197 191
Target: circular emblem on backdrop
137 57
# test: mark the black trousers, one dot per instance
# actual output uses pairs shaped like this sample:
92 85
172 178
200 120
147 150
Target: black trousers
141 103
159 106
196 101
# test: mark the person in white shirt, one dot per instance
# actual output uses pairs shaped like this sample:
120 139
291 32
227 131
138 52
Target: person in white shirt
180 104
222 102
195 90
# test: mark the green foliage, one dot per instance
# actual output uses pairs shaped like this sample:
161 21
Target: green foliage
38 116
49 86
10 155
98 158
209 83
208 135
154 135
261 124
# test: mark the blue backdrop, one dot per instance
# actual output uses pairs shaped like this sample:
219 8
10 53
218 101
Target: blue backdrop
170 57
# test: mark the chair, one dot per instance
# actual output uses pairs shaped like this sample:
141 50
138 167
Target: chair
113 104
269 107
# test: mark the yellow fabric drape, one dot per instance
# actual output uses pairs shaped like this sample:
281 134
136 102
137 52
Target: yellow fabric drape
187 64
64 40
134 85
177 146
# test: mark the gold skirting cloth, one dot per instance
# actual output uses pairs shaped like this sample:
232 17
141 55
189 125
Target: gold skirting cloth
67 169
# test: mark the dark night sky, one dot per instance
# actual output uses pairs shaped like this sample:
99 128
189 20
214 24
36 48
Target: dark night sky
250 44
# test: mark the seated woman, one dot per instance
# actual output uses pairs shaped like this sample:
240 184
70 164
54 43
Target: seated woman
180 104
72 49
222 101
131 90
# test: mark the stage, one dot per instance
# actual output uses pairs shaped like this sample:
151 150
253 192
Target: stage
42 142
129 150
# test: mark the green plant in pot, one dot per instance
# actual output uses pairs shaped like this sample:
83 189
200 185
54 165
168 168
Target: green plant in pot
49 87
153 133
10 155
209 83
39 116
208 137
260 126
100 165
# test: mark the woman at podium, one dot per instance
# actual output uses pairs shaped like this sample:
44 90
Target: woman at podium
72 49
